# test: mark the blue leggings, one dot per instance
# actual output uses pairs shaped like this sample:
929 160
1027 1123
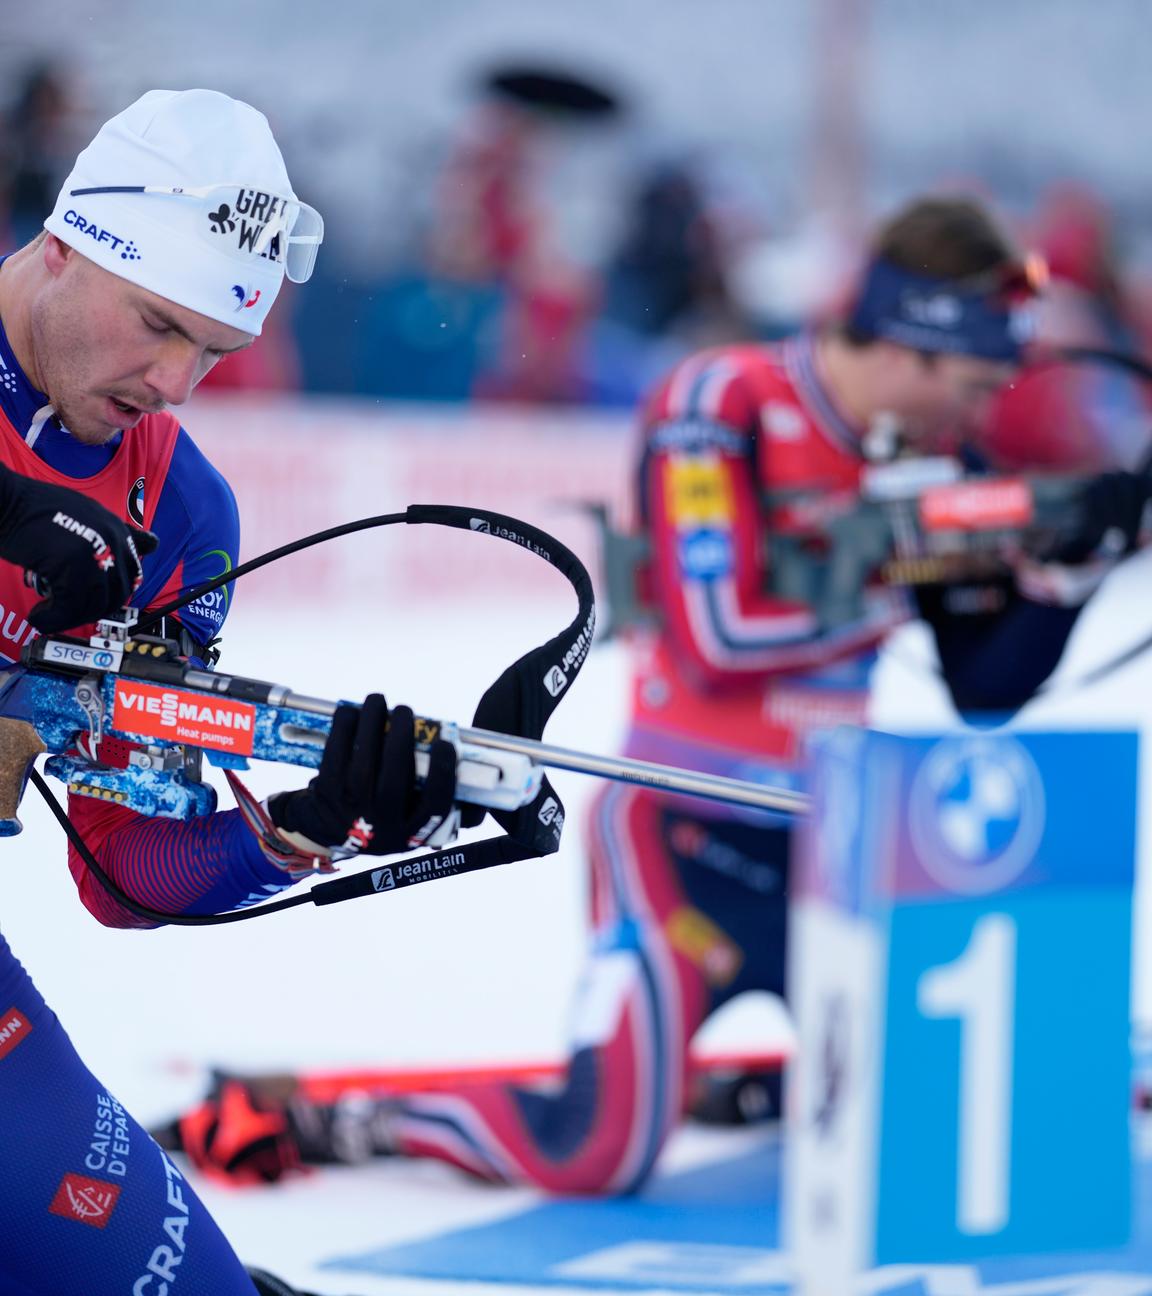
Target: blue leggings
88 1203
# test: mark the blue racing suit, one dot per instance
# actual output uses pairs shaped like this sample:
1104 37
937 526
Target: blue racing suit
88 1202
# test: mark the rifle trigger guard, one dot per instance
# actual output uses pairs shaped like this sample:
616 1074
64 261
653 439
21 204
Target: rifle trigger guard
91 702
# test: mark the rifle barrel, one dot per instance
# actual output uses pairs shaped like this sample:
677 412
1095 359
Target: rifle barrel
621 769
665 778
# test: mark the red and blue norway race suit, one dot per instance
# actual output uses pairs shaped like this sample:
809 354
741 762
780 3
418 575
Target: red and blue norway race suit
88 1202
688 903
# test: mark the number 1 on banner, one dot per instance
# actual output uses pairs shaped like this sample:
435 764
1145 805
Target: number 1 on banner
980 988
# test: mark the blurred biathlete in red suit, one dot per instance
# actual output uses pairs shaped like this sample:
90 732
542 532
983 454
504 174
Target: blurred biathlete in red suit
689 899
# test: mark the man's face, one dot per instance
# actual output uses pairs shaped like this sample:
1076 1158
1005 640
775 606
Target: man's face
107 352
947 394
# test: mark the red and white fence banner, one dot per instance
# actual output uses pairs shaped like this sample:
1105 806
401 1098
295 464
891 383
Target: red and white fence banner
300 464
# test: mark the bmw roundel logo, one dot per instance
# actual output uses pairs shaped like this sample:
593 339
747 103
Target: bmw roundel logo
136 502
977 812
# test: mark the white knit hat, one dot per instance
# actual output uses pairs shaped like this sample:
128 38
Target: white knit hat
185 193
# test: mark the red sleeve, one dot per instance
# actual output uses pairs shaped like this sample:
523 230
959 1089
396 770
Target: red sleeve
701 496
202 865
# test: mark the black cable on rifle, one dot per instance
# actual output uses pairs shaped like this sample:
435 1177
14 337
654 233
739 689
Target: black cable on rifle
154 617
483 854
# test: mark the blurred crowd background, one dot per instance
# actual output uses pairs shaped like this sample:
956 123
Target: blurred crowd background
546 202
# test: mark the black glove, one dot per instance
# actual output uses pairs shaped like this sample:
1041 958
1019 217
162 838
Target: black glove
85 559
365 796
1113 501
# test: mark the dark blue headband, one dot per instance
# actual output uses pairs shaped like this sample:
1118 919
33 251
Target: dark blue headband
975 318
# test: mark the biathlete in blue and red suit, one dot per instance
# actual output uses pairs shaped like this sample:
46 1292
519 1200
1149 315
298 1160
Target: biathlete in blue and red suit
688 904
166 248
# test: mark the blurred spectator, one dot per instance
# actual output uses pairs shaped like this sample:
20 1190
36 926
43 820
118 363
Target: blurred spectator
492 232
484 224
669 274
669 285
497 303
494 257
540 338
36 152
